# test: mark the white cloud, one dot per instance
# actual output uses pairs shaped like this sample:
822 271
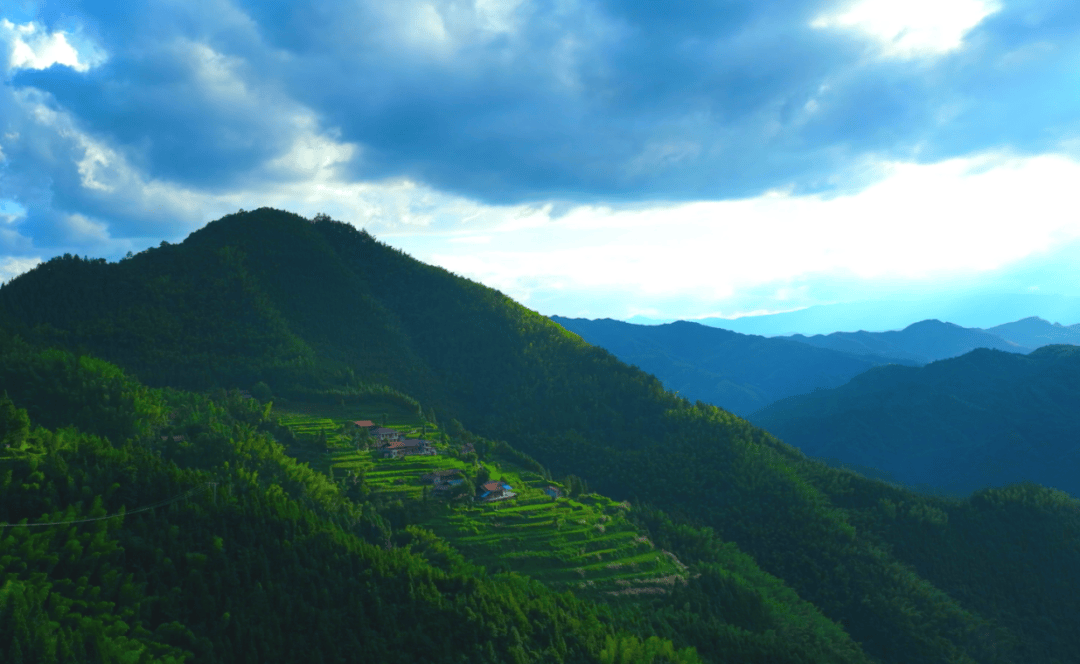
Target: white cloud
912 28
313 155
82 230
218 74
497 15
11 267
28 47
921 224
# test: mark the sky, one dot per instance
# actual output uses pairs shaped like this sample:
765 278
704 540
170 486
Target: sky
694 160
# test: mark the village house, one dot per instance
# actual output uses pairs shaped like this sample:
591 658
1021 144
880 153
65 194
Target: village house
366 425
492 491
553 491
408 447
386 435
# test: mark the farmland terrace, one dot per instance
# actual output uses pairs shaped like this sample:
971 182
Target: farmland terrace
581 543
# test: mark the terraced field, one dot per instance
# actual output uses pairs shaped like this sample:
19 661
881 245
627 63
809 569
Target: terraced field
398 477
584 543
308 421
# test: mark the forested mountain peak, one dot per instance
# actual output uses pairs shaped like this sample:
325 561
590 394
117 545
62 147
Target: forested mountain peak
791 561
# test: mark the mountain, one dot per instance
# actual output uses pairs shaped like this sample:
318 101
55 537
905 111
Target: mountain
789 560
978 310
144 525
1034 332
987 418
918 343
738 372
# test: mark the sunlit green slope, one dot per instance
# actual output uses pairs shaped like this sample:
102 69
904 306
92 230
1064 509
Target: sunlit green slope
330 308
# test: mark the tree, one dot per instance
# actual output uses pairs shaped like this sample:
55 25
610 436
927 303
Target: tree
460 490
483 476
575 485
363 439
455 429
262 392
14 423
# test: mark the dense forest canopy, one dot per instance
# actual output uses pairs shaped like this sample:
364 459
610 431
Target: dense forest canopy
789 560
987 418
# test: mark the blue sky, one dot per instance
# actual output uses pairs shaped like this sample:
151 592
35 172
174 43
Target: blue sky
667 160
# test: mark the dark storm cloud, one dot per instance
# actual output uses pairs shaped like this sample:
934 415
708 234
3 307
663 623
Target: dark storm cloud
576 101
619 101
160 108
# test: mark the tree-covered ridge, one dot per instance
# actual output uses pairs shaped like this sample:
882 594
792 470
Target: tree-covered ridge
988 418
1009 553
248 555
740 373
508 374
756 618
227 498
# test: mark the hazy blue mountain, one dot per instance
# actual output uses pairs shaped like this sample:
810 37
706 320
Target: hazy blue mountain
970 310
738 372
986 418
1036 332
918 343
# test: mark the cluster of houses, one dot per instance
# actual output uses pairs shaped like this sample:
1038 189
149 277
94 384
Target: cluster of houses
445 480
392 445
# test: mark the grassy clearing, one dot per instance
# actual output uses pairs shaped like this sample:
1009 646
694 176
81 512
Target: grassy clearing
584 544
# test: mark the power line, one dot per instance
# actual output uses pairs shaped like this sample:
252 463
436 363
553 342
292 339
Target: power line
145 508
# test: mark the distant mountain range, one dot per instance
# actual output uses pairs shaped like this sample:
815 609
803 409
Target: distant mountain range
969 310
986 418
738 372
743 373
919 343
1035 332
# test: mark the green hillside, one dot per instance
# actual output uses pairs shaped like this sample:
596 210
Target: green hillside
222 547
583 543
788 560
988 418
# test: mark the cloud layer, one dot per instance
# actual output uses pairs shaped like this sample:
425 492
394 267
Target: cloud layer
961 224
618 120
